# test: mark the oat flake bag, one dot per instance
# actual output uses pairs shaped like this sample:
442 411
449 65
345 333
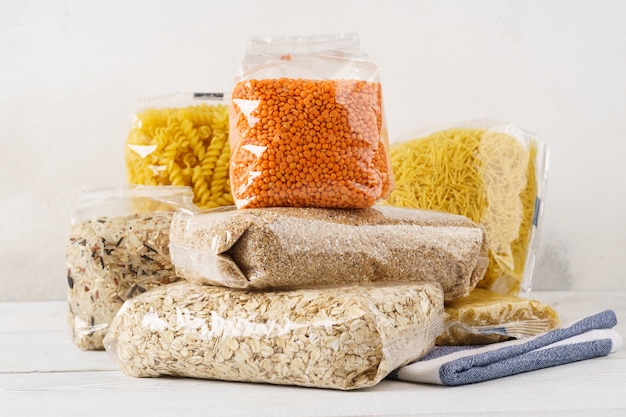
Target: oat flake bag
342 338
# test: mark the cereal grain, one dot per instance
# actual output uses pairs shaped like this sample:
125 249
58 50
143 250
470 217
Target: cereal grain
344 338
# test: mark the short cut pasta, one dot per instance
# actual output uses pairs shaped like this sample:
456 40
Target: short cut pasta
486 175
182 146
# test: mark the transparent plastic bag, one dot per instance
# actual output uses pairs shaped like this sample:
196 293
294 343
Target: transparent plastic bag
118 247
492 172
486 317
307 125
339 337
287 247
182 140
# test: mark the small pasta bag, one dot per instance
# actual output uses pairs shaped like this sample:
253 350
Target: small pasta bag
340 337
491 172
307 126
486 317
118 247
182 140
294 247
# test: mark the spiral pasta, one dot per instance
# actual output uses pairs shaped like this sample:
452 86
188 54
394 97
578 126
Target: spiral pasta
182 146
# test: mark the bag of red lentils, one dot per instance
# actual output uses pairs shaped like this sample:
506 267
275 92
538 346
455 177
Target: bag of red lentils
307 126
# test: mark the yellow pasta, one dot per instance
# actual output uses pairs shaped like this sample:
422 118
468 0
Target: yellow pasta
483 174
486 317
182 146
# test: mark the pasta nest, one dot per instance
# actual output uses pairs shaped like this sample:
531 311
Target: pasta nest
485 175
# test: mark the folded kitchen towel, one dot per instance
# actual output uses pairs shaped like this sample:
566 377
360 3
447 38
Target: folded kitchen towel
588 338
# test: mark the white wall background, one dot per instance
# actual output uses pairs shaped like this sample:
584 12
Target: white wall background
71 72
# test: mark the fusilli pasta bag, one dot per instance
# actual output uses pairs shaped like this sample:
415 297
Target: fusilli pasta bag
491 172
182 140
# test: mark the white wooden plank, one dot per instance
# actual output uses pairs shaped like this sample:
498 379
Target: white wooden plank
51 351
577 304
547 392
33 316
571 305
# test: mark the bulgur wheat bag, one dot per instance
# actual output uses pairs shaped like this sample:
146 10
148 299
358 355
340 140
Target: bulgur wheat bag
286 247
118 247
342 338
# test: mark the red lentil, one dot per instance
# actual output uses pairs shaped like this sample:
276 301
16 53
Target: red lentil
309 143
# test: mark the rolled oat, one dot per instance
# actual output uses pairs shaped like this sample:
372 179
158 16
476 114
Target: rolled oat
324 337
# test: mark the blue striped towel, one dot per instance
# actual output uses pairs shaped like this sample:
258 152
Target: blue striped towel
588 338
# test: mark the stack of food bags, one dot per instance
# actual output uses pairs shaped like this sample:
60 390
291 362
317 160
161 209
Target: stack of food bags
297 274
303 281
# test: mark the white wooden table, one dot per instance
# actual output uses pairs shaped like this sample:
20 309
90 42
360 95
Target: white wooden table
43 373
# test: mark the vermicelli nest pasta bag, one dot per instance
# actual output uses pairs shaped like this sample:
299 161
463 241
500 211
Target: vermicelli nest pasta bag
485 317
118 247
491 172
182 140
294 247
339 337
307 127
